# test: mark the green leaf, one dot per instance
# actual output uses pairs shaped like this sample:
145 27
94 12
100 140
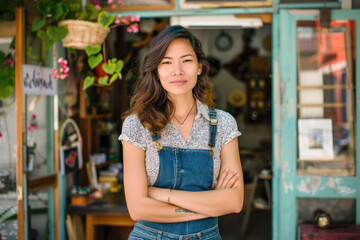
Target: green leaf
75 7
119 66
94 61
59 12
48 44
42 34
6 91
12 44
37 24
56 33
109 68
93 12
5 76
92 50
104 19
65 8
88 82
114 77
103 80
45 7
83 15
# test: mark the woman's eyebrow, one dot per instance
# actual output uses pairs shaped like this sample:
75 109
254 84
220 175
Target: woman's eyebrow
186 55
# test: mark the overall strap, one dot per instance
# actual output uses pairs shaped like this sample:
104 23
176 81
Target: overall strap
213 126
156 136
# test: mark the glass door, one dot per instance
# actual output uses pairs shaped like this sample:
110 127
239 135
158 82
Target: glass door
319 78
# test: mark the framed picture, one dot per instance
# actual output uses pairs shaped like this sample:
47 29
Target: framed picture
315 139
196 4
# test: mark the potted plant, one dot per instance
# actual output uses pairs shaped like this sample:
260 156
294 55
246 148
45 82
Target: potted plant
76 25
104 72
83 28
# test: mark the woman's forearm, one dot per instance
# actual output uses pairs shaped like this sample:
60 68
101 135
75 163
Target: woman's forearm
210 203
148 209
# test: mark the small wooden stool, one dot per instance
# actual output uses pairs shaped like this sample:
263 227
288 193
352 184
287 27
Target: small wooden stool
266 178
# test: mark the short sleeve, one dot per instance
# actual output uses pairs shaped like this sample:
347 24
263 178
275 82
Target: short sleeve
227 128
133 132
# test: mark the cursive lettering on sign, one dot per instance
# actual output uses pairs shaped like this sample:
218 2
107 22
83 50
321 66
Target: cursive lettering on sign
38 80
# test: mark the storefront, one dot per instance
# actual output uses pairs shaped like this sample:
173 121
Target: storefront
286 70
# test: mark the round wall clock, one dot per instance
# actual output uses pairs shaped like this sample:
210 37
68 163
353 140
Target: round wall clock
223 41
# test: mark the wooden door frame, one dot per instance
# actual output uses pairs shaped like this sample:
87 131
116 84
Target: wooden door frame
22 185
286 183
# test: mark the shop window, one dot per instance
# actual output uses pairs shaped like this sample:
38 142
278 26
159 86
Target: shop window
326 98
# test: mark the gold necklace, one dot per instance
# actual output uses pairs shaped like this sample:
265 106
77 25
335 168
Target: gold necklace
182 123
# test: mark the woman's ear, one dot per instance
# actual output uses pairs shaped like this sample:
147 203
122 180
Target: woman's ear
199 69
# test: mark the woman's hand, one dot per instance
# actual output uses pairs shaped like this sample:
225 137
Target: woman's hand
228 179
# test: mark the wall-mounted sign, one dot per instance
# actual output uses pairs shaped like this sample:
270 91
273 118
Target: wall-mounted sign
38 80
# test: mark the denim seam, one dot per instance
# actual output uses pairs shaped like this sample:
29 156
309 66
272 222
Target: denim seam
177 167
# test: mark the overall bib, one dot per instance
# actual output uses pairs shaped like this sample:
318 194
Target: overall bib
189 170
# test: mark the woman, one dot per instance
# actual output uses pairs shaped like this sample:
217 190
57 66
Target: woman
175 146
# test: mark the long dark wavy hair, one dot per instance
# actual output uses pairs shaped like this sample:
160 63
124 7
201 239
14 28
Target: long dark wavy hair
150 102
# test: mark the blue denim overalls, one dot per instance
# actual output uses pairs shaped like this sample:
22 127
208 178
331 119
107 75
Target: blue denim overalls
189 170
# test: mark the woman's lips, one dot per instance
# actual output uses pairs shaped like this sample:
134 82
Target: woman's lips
179 82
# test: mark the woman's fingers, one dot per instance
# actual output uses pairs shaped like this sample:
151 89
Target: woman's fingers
233 180
227 179
222 176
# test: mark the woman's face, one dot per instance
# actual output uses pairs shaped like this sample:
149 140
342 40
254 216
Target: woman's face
179 69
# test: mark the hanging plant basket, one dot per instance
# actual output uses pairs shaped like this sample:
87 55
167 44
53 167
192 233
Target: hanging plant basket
83 33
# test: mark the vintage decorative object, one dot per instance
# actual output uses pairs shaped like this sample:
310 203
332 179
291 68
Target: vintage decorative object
322 219
82 195
224 41
71 147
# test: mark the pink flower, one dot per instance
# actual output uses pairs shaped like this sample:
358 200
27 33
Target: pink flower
63 63
133 28
125 21
53 73
118 19
135 18
110 2
98 7
64 75
10 61
121 3
62 71
1 134
33 117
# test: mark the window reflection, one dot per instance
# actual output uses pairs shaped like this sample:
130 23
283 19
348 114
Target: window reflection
326 90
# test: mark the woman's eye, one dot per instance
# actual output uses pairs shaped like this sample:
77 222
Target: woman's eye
166 62
187 60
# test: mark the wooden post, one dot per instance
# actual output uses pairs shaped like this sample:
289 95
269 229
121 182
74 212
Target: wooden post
19 60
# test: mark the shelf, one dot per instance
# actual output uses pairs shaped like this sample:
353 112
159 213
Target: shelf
325 105
325 87
326 172
324 160
96 116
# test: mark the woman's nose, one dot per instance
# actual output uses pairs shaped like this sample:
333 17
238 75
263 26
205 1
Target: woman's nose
178 69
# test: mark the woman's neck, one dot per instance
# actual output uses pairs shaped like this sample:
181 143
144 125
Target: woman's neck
184 104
